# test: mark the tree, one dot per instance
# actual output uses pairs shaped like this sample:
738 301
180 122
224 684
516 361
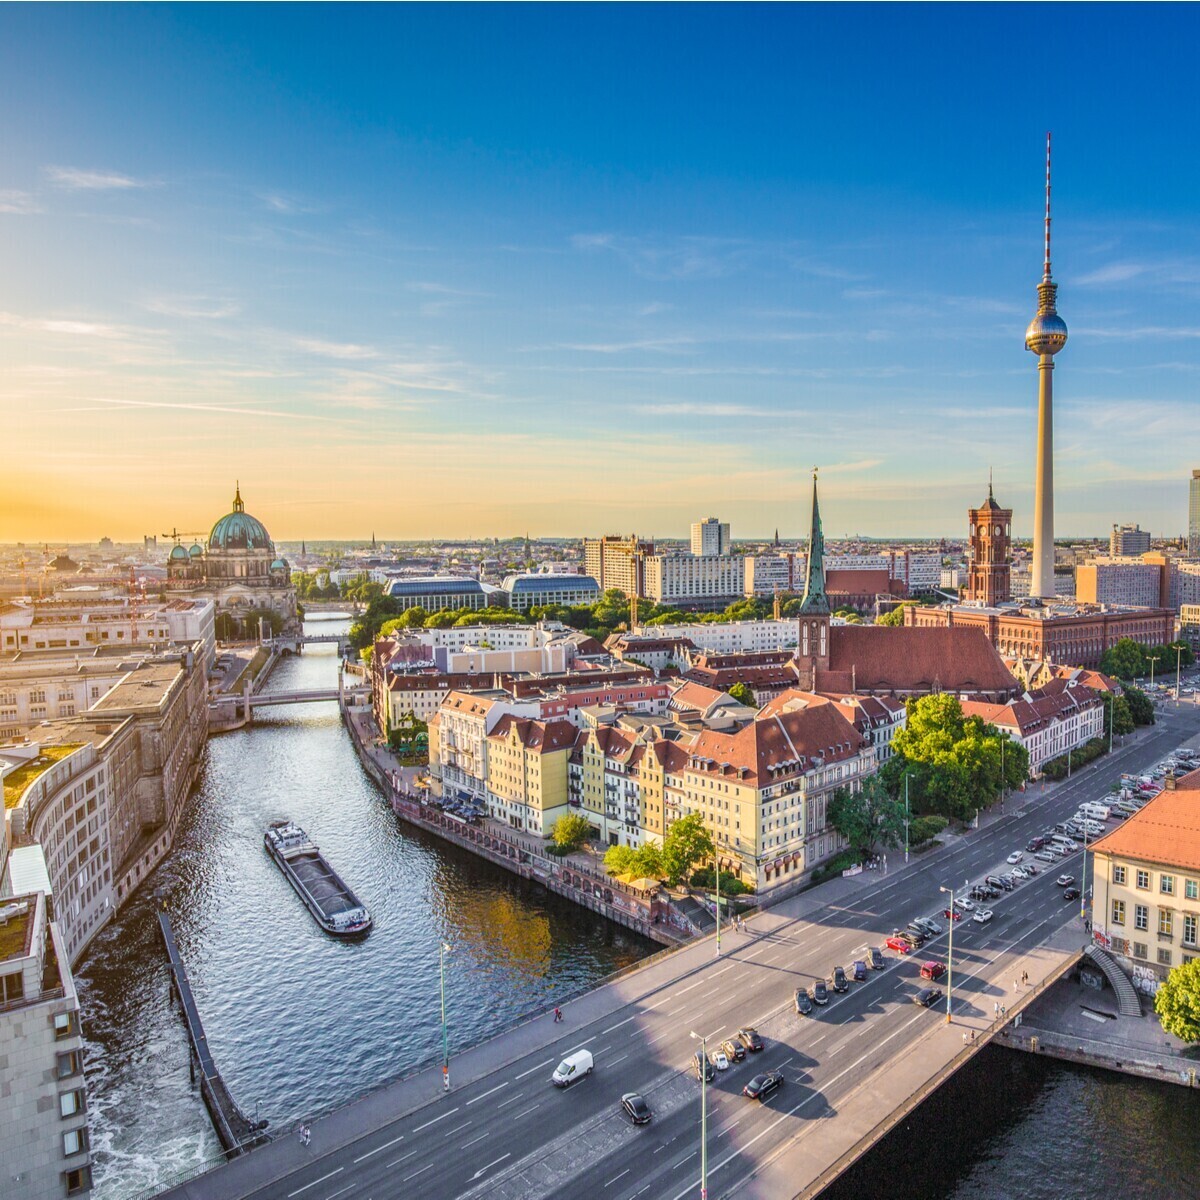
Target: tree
570 831
1177 1002
743 695
648 861
895 617
1141 709
1117 717
868 817
686 844
1126 660
618 860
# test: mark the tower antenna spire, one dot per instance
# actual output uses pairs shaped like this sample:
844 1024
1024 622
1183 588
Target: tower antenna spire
1046 273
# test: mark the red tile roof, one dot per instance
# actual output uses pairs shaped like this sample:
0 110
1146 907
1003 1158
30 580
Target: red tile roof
1165 832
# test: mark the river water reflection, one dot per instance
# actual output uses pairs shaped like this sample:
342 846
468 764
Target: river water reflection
297 1021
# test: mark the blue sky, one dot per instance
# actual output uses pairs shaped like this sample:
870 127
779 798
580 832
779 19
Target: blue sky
479 269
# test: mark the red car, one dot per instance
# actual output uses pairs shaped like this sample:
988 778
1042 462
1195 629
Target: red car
952 915
899 944
932 970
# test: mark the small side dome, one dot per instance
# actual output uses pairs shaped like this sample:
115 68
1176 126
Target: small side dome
280 564
196 551
178 554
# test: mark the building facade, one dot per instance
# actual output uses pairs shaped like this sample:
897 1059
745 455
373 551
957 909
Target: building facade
523 592
434 593
616 562
1194 515
1146 889
1131 582
767 574
694 580
990 554
710 538
1126 540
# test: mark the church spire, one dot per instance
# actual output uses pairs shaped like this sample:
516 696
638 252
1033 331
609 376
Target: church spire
238 506
815 600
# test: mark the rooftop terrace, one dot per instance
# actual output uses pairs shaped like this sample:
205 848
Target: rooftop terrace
15 782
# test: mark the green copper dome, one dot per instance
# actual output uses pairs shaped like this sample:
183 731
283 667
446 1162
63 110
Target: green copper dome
179 554
196 551
238 530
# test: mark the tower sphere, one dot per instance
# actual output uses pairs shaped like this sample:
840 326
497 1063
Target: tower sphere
1047 334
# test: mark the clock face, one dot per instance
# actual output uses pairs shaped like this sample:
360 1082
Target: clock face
997 530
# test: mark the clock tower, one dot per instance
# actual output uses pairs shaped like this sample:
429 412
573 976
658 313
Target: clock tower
991 527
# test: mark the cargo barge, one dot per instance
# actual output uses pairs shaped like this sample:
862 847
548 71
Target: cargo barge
333 905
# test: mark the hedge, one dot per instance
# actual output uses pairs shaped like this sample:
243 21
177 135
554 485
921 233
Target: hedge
1056 768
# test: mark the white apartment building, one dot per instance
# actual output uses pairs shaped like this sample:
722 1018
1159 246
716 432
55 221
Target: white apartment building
730 637
32 691
766 574
709 538
1126 581
617 562
1128 540
44 1148
693 579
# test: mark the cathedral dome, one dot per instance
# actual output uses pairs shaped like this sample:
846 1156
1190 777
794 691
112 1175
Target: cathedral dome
280 564
178 554
238 530
196 551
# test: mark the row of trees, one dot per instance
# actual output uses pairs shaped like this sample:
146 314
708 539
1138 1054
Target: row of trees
1127 659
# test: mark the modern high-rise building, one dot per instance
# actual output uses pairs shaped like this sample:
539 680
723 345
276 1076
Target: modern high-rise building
990 555
1045 337
617 562
710 537
1126 540
1194 516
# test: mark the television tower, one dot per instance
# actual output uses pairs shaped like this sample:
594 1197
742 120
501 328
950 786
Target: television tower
1045 337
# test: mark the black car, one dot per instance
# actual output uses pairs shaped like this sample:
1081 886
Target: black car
804 1004
1035 844
840 983
1071 894
636 1108
875 958
820 993
750 1039
761 1086
860 970
994 881
916 935
734 1051
927 997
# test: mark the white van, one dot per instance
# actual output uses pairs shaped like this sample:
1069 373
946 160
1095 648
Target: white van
575 1066
1097 812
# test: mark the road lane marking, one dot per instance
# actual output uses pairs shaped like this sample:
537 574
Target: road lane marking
447 1113
340 1191
473 1141
508 1102
525 1111
403 1158
498 1088
681 1162
602 1049
364 1157
426 1167
456 1129
315 1182
731 1125
490 1165
619 1024
547 1063
691 987
617 1060
616 1177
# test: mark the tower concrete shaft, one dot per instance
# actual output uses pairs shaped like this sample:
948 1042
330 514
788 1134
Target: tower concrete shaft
1045 337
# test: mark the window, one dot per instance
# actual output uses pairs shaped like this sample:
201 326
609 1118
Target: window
12 987
1164 956
1189 929
1118 912
78 1180
1191 889
64 1025
69 1063
1118 875
1166 922
1166 884
1139 949
70 1103
75 1141
1141 917
1143 879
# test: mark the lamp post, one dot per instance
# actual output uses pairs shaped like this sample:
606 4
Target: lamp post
703 1118
443 950
1178 652
906 816
718 904
1003 780
1083 880
950 950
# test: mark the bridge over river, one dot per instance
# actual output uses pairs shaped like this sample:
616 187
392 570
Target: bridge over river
851 1071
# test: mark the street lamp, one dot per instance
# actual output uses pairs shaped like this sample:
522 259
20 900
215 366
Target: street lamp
1083 880
1178 652
703 1117
950 949
906 816
718 856
443 950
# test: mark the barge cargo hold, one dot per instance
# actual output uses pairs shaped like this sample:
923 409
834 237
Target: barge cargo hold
333 905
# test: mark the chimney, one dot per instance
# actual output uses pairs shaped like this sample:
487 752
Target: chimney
1169 781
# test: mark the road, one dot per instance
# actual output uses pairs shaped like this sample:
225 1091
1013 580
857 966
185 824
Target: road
509 1133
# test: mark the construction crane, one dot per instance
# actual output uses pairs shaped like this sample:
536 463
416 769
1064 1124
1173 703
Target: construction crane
176 534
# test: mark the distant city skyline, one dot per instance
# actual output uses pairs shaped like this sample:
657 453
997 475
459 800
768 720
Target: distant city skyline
459 272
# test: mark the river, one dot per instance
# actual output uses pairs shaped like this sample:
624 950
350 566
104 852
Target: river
299 1022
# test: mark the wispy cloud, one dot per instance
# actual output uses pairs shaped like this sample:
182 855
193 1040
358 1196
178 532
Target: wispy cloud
334 349
124 402
674 258
664 345
688 408
280 202
59 325
79 179
21 203
206 307
1153 271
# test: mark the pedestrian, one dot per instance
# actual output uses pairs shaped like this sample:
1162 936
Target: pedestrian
557 1015
1025 977
996 1008
1016 985
972 1035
